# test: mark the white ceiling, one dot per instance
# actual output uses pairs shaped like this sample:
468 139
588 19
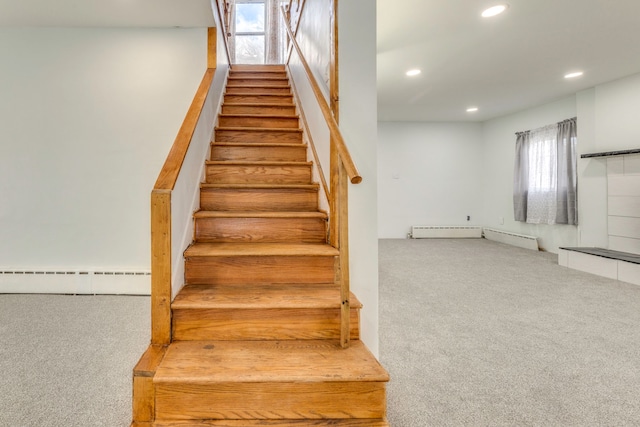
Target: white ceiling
503 64
106 13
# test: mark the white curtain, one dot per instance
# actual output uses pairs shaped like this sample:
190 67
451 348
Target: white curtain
545 181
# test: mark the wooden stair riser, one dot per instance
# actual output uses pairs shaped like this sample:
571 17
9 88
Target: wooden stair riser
253 98
261 324
256 121
258 74
258 135
245 173
285 110
271 400
257 68
258 90
223 199
259 153
240 80
268 230
266 270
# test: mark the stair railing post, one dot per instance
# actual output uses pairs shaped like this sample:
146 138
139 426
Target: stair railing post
343 233
160 267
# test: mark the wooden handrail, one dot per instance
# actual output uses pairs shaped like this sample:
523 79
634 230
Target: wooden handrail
341 146
221 22
172 165
161 259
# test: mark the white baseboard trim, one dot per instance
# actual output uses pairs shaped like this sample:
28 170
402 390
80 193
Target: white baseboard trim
84 282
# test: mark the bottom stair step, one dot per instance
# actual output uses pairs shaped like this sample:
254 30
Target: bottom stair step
285 380
272 423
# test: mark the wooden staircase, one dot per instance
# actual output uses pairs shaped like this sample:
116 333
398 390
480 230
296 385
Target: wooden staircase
256 328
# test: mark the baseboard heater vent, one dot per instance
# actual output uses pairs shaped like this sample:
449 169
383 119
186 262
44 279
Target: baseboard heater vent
75 282
445 232
514 239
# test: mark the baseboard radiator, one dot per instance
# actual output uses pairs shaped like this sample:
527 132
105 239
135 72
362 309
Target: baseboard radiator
445 232
514 239
74 282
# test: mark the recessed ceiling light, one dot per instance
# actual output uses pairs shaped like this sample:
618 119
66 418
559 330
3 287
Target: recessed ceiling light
573 75
472 109
494 10
413 72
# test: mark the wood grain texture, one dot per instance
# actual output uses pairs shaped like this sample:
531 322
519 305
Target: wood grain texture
261 324
255 152
294 228
258 120
268 400
161 267
149 361
251 312
297 295
258 89
143 395
262 68
255 108
253 197
248 134
258 98
234 172
199 250
212 46
143 398
241 80
322 361
259 269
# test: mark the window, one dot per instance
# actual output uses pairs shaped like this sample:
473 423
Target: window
249 24
545 179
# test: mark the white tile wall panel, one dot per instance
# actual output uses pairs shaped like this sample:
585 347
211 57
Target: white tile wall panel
631 165
624 206
615 166
627 185
624 227
629 272
624 244
593 264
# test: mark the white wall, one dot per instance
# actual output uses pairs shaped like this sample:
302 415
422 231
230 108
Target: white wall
498 159
87 116
607 121
428 174
358 124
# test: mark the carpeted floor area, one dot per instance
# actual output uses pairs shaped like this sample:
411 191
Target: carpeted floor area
66 361
476 333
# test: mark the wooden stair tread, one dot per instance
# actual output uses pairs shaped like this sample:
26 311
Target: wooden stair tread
250 129
345 422
285 86
256 163
259 214
260 116
309 361
258 104
257 144
282 95
312 187
260 249
260 297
